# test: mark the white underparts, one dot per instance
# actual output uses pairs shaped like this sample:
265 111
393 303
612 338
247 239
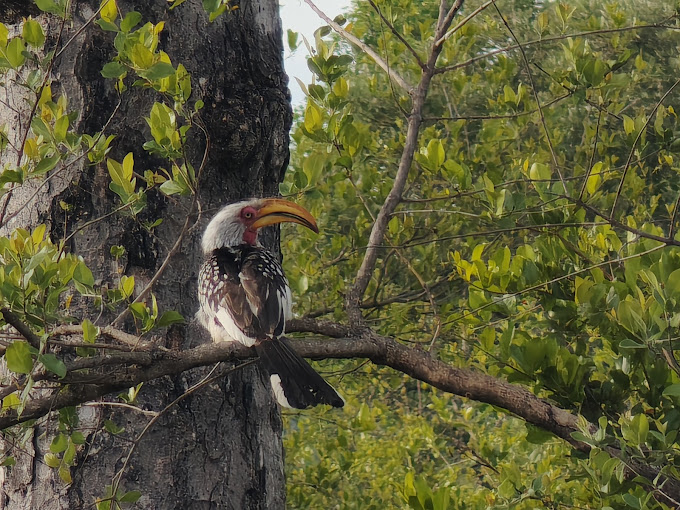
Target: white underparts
275 381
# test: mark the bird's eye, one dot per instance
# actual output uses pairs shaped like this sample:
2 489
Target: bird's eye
247 214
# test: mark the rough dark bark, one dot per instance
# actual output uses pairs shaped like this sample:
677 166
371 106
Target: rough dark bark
13 10
221 447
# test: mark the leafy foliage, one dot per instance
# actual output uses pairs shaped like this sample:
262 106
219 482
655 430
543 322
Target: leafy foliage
535 242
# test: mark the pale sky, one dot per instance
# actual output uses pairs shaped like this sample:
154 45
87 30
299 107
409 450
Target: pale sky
298 16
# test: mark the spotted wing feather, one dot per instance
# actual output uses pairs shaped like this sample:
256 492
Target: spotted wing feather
244 288
244 296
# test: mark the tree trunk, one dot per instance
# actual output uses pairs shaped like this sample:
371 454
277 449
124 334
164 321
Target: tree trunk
220 447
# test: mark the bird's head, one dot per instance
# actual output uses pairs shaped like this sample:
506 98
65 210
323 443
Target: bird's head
238 223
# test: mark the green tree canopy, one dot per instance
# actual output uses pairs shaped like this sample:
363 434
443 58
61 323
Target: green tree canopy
534 240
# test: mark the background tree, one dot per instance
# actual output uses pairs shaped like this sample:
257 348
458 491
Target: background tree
518 222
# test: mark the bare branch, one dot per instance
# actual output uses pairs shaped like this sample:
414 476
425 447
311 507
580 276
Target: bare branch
453 67
132 341
501 116
355 294
13 320
364 47
637 139
396 33
463 22
592 156
536 98
131 368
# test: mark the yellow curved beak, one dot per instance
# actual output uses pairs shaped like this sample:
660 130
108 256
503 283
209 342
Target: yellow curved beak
276 210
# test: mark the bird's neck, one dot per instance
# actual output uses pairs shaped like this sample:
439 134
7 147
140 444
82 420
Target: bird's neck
250 237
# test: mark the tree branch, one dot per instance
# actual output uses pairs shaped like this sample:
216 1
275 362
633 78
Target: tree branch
356 293
364 47
453 67
131 368
14 321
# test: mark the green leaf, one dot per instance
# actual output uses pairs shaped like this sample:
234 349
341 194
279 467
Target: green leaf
158 71
108 11
113 70
112 428
46 164
65 474
672 391
292 39
61 128
130 497
139 310
40 128
632 501
312 117
130 21
14 53
18 357
48 6
435 153
52 460
3 35
171 187
53 364
8 461
90 331
83 275
141 56
300 179
127 284
628 124
107 25
33 33
59 443
168 318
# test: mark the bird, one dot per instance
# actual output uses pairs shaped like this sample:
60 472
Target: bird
244 296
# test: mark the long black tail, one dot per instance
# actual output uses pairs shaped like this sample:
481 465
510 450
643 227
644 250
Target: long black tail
295 383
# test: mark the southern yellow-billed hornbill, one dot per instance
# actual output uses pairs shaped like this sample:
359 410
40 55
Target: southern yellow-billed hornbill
244 297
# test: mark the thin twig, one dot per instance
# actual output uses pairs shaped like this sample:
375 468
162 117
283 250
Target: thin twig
673 227
203 382
500 116
122 337
158 274
592 156
463 22
13 320
398 35
453 67
637 139
79 31
363 46
355 294
538 101
123 405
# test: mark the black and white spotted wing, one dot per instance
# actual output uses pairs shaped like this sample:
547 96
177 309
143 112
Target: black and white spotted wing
244 295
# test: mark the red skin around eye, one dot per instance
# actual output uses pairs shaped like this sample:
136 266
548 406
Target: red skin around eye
248 215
